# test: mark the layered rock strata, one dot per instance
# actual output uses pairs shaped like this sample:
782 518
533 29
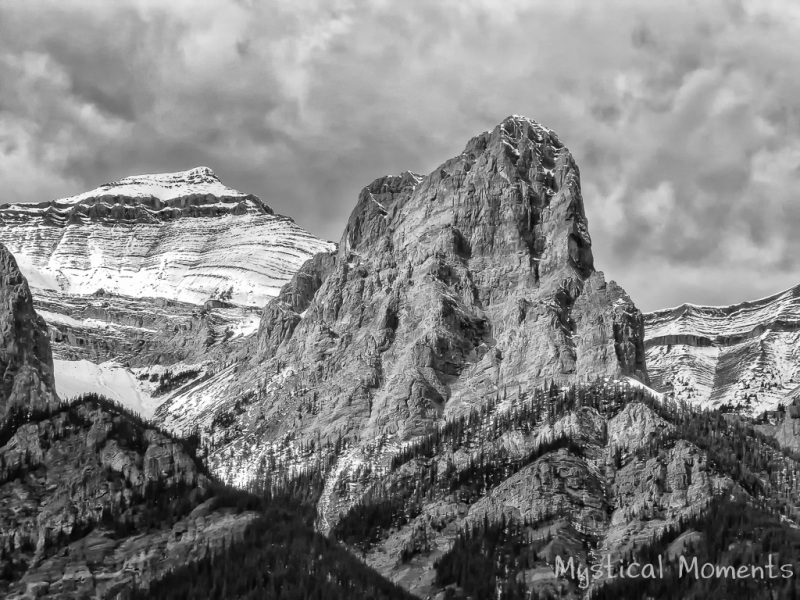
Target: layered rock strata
742 357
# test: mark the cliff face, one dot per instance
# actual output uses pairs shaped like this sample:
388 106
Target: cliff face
743 356
26 360
787 431
447 290
139 332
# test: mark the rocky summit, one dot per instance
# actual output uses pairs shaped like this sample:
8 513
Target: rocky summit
447 290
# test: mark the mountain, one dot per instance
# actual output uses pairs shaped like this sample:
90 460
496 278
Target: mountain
180 236
454 394
152 269
745 356
473 393
95 502
447 291
67 468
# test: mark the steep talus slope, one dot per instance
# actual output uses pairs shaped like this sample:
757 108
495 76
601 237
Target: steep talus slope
445 290
25 357
745 355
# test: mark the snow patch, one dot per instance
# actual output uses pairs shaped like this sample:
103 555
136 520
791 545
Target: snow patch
164 186
76 377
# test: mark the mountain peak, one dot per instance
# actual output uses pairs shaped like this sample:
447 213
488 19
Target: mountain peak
472 282
163 186
195 175
193 236
521 121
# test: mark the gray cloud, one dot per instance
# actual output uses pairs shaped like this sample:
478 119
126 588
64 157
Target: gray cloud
682 115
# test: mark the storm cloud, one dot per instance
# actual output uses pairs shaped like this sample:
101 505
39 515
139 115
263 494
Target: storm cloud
683 116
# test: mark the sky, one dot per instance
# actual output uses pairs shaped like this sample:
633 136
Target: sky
683 116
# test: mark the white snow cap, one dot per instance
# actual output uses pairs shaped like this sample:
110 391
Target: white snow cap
165 186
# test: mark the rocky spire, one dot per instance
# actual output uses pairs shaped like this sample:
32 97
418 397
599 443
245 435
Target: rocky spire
472 283
483 269
26 361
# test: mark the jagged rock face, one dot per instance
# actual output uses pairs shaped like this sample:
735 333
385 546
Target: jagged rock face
784 425
557 484
745 355
26 360
445 290
180 236
281 316
64 483
635 427
787 431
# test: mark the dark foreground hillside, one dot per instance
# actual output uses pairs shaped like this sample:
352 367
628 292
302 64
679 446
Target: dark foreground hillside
484 506
96 503
280 557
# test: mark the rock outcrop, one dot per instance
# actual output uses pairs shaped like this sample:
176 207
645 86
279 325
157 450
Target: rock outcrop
787 432
784 425
26 359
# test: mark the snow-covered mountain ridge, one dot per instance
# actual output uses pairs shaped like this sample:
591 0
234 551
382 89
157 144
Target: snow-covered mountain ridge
164 187
151 269
182 236
746 354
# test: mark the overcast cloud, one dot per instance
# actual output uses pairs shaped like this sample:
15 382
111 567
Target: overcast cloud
683 116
